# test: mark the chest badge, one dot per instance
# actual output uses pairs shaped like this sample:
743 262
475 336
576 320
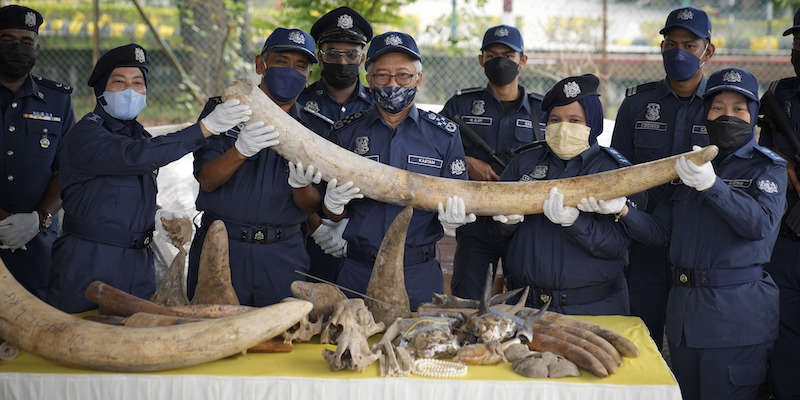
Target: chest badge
539 172
362 145
312 105
653 112
44 142
478 107
457 167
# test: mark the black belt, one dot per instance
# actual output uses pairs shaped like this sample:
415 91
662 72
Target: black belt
787 233
102 234
583 295
689 277
411 256
253 233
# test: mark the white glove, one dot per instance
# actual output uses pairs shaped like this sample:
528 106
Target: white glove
255 137
336 197
299 178
555 211
613 206
510 219
699 177
454 215
226 115
18 229
329 237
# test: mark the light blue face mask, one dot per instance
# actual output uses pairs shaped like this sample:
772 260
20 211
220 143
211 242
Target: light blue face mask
124 105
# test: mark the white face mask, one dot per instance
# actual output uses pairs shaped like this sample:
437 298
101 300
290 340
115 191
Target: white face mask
566 139
124 105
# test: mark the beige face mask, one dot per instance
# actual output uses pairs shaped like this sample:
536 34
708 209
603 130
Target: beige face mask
566 139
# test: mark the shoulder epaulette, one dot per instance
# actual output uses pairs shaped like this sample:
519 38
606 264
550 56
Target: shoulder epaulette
52 84
621 160
215 100
536 96
93 118
641 88
784 83
529 146
771 154
459 92
318 115
349 119
440 121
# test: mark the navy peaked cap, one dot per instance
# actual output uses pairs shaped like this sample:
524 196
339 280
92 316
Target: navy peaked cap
504 34
392 42
570 90
342 25
693 19
282 39
130 55
19 17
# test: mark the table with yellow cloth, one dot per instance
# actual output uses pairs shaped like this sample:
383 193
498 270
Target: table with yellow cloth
304 374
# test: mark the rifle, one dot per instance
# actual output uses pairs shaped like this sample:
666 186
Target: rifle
773 113
498 161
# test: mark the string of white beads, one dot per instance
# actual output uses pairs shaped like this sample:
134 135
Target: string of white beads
434 368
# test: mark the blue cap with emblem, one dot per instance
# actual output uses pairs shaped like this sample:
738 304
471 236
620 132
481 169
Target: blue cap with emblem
796 24
736 80
342 25
130 55
392 42
283 39
692 19
504 34
19 17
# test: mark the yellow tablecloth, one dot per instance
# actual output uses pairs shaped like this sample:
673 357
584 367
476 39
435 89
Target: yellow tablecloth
304 374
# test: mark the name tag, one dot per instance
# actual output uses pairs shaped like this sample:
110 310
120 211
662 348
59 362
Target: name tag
738 183
524 123
701 129
426 161
472 120
43 116
376 157
651 126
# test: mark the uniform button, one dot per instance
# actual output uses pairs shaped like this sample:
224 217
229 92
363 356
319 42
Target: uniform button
44 130
344 109
10 178
14 105
10 152
11 128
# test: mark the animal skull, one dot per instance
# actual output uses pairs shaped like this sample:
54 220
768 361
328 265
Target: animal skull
352 351
350 313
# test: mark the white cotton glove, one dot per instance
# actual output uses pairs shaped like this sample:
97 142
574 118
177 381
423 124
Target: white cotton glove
255 137
555 211
336 197
329 237
699 177
226 115
613 206
510 219
18 229
454 215
300 178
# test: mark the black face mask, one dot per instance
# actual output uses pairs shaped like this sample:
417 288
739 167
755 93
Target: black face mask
728 133
796 61
340 76
16 60
501 71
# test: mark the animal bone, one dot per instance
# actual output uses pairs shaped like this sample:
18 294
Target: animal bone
352 351
214 275
350 313
322 295
304 330
387 282
392 185
8 351
172 289
490 353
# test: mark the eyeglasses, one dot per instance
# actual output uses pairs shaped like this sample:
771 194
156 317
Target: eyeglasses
402 79
333 55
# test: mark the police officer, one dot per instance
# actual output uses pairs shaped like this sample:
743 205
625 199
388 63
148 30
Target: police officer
784 267
36 114
505 117
574 258
341 35
657 120
720 225
396 133
261 197
108 183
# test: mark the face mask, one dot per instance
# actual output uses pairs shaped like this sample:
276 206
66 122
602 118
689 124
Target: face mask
124 105
394 99
16 60
501 71
340 76
284 83
796 61
566 139
728 133
680 64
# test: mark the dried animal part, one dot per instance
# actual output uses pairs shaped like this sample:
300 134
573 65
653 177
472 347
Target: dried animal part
432 343
304 330
587 335
352 351
562 368
209 310
579 356
608 361
490 353
531 367
214 273
545 365
387 282
143 319
172 289
322 295
517 352
350 313
8 351
440 300
395 361
112 301
434 368
625 347
489 327
179 231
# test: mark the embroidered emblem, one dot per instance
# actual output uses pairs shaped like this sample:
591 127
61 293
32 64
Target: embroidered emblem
393 40
539 172
44 142
450 127
685 14
457 167
526 178
30 19
767 186
297 37
653 112
312 105
571 89
138 54
93 117
362 145
345 21
478 107
732 76
501 31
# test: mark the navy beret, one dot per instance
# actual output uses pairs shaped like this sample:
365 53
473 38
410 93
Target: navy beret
693 19
342 25
392 42
19 17
570 90
796 24
733 79
282 39
130 55
504 34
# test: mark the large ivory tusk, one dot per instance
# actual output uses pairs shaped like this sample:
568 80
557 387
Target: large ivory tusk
40 329
396 186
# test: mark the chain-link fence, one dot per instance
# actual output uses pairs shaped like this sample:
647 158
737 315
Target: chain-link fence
198 47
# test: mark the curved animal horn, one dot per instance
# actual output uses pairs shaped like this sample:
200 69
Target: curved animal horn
387 281
396 186
40 329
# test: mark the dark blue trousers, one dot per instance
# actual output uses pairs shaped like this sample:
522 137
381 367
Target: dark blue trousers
478 244
421 280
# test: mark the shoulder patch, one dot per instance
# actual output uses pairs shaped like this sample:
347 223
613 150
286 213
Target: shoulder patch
215 100
641 88
771 154
621 160
784 83
529 146
349 120
535 97
93 118
61 87
318 115
459 92
440 121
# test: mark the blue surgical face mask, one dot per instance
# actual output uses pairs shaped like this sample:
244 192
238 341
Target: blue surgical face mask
124 105
394 99
284 83
681 64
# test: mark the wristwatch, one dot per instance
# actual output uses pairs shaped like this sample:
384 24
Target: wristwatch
45 219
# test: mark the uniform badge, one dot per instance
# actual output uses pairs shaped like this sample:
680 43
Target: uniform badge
450 127
30 19
539 172
732 76
138 54
571 89
685 14
44 142
297 37
393 40
259 236
767 186
478 107
457 167
501 31
362 145
526 178
653 112
345 21
319 92
312 105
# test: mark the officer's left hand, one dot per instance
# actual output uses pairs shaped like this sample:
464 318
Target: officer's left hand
612 206
454 215
329 237
555 211
226 115
300 178
18 229
699 177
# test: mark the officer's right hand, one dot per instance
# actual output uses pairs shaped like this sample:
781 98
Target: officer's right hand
479 170
613 206
226 115
328 237
18 229
255 137
336 197
300 177
510 219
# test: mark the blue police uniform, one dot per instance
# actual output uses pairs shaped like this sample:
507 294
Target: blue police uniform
484 242
318 102
262 220
425 143
35 122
